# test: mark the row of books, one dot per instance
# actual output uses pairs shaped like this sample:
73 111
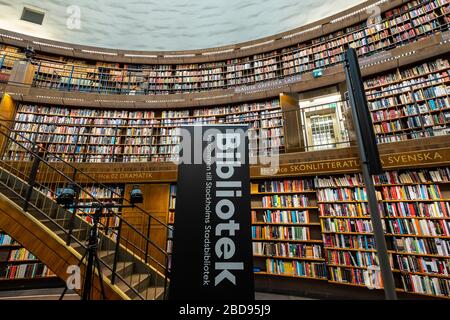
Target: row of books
370 34
402 102
426 285
409 177
344 241
352 258
368 278
408 134
83 113
26 271
346 225
343 209
101 192
266 133
280 233
6 240
281 216
286 186
439 209
296 268
423 265
61 115
342 194
412 111
410 192
338 181
297 254
285 201
434 246
419 227
288 250
21 254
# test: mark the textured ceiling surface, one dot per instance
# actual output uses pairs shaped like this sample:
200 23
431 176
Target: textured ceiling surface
165 25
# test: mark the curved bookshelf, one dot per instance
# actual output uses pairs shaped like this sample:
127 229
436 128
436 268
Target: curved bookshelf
399 25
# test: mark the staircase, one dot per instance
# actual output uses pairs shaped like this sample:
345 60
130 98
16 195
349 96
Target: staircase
30 214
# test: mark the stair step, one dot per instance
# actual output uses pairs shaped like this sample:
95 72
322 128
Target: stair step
151 293
60 221
136 274
124 269
104 254
138 281
63 233
77 246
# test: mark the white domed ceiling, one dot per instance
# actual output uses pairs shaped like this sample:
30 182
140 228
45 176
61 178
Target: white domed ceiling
164 25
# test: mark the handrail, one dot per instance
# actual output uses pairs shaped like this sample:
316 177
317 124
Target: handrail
80 186
33 151
78 171
73 238
293 47
243 116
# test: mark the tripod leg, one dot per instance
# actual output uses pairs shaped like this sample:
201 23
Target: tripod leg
63 293
100 274
89 275
79 264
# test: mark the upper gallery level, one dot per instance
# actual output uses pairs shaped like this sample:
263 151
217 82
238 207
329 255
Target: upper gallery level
260 65
163 25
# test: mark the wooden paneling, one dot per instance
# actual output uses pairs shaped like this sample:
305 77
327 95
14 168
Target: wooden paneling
156 202
22 73
167 172
292 124
7 113
7 108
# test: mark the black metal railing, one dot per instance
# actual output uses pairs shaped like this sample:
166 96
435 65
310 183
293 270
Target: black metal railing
37 183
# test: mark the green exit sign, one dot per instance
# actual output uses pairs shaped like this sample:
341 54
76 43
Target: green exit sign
317 73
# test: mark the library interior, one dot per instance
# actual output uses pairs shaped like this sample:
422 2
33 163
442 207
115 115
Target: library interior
94 167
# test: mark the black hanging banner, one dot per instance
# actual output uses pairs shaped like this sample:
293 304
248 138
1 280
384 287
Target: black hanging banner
212 248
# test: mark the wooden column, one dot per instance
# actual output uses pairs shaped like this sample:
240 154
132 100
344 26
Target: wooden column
156 201
22 73
294 141
7 113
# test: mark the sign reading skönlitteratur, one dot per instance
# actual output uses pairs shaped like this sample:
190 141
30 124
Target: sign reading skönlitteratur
212 248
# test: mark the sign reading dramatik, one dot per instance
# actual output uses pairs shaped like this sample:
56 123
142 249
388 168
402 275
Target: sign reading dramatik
212 249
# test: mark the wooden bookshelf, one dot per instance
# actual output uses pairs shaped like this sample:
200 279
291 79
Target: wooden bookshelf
89 135
411 190
8 55
395 27
410 99
288 258
288 276
18 264
286 229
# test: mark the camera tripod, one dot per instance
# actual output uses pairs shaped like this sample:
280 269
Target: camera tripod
93 261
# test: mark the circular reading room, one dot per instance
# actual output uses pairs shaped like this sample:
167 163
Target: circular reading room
225 150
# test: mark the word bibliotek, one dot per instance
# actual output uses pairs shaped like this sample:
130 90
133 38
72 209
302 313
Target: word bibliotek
212 249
